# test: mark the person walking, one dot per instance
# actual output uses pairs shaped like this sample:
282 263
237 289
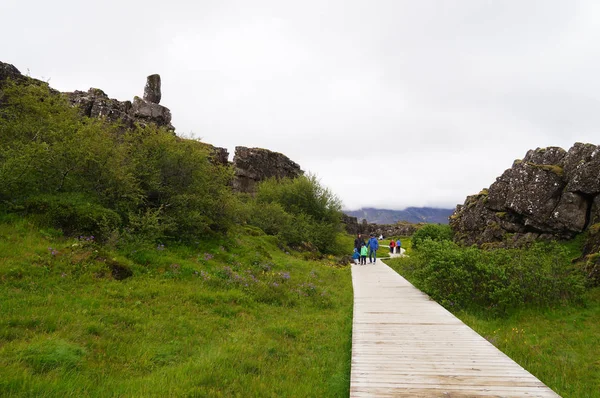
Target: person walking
363 254
358 242
398 246
373 246
392 246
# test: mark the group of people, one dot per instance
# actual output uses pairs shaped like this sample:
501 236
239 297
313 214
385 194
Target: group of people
395 245
362 249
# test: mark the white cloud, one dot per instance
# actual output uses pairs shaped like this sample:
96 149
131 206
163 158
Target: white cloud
391 103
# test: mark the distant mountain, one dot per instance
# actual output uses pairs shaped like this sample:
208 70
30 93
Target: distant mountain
410 214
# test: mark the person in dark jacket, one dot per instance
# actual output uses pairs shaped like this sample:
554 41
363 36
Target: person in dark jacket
358 242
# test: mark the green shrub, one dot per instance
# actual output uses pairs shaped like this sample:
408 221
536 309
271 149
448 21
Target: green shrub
270 217
298 210
86 173
74 214
496 281
435 232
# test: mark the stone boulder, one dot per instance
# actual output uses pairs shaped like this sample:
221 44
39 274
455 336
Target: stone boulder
252 165
549 194
152 91
148 112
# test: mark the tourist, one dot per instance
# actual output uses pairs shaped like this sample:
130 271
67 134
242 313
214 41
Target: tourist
358 242
355 256
363 254
373 246
398 246
392 246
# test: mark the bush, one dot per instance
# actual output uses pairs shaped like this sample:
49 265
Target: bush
435 232
498 280
270 217
74 214
89 176
298 210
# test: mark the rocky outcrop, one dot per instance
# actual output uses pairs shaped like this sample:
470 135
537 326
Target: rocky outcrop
411 214
8 71
219 155
550 194
252 165
399 229
351 224
95 103
149 112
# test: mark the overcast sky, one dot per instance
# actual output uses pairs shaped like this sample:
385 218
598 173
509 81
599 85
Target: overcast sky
390 103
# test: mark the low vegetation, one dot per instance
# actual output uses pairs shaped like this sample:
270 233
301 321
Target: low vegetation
236 316
531 303
129 267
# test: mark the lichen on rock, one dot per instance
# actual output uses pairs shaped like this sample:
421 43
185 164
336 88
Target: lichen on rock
550 194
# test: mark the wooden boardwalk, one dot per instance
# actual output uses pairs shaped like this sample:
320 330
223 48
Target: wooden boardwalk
406 345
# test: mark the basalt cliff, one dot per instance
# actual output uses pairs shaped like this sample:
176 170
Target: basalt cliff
550 194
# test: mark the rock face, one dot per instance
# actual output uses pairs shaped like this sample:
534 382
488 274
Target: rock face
95 103
252 165
550 194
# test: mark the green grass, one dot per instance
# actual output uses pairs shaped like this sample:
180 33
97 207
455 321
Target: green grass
558 345
384 246
236 317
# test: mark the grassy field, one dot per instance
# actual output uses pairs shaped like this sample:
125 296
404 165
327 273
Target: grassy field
237 317
560 346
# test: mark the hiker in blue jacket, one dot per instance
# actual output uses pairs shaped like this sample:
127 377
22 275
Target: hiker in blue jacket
373 246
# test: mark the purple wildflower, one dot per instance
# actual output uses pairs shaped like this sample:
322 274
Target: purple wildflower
285 275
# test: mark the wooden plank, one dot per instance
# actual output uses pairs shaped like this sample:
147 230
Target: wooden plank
406 345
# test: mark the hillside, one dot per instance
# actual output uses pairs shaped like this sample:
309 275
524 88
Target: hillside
134 262
410 214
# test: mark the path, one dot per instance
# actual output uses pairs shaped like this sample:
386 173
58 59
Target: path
406 345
